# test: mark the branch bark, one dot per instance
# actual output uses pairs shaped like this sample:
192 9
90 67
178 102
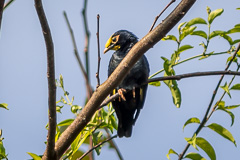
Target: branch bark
147 42
49 153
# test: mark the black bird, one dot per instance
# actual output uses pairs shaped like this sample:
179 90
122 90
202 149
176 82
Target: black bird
128 107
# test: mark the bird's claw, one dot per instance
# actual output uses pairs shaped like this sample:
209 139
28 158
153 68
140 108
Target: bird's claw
121 92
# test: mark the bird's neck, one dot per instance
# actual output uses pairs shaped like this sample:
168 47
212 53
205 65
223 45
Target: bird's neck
126 48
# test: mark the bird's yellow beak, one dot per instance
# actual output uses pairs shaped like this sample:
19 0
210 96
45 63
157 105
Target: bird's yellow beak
110 46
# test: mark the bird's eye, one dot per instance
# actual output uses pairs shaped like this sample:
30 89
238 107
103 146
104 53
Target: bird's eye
114 39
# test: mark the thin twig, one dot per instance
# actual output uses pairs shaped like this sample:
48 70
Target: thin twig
49 152
156 18
1 11
205 118
142 46
176 77
87 35
99 58
99 144
77 54
7 4
114 145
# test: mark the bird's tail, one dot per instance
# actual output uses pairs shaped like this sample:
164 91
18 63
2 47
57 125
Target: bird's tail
125 129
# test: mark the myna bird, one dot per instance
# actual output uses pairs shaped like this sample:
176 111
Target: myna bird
128 107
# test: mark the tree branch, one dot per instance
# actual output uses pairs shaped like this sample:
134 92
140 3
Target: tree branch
156 18
99 58
49 152
176 77
205 118
99 144
7 4
147 42
89 89
1 11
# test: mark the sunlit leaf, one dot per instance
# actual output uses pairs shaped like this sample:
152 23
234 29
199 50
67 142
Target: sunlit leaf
186 32
232 106
96 139
191 120
235 87
229 113
171 151
4 105
235 41
156 84
2 151
192 141
222 131
184 48
170 37
234 30
194 156
58 108
214 14
228 38
194 21
226 89
207 147
66 122
237 8
199 33
180 26
216 33
34 156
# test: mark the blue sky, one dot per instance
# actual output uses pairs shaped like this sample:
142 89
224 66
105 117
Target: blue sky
23 83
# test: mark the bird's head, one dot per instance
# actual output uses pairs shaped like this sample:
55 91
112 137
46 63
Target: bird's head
120 40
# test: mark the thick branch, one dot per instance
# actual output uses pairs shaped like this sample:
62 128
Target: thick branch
147 42
50 152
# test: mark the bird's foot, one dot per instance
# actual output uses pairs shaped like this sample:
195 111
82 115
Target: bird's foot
121 91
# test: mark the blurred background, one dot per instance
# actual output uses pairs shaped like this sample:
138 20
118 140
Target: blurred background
23 83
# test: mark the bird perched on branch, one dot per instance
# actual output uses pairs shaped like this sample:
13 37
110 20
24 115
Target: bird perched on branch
129 104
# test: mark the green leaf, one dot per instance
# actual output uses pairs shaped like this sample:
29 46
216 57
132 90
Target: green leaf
222 131
237 8
58 108
34 156
75 108
96 139
4 105
207 147
228 38
229 113
171 151
184 48
192 141
214 14
194 21
170 37
2 151
235 41
235 87
216 33
79 141
156 84
199 33
234 30
226 89
194 156
186 32
191 120
180 26
232 107
208 10
237 26
66 122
